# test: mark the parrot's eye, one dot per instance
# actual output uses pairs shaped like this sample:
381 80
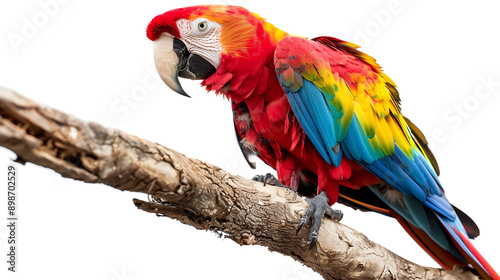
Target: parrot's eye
202 25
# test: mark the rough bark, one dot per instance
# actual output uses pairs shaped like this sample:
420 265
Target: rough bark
196 193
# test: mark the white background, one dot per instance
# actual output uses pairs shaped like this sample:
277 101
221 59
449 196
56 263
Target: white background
92 59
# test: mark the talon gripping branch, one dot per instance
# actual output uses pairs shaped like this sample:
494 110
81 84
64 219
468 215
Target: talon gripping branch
322 114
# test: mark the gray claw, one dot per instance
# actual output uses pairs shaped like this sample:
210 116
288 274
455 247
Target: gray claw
268 179
318 207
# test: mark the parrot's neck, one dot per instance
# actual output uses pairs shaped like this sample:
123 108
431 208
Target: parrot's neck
275 34
241 78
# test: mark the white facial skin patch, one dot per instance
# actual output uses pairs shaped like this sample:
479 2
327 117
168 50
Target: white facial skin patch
202 37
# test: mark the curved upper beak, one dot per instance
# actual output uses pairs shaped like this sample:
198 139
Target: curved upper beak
166 62
172 59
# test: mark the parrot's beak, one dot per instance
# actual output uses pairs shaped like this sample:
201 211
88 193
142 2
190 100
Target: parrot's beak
172 59
167 61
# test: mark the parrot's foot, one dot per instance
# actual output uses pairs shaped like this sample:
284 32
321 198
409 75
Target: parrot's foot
318 207
269 179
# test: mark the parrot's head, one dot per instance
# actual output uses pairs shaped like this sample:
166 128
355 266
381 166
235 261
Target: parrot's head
196 42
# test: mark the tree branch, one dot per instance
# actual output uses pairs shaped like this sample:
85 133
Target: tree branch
196 193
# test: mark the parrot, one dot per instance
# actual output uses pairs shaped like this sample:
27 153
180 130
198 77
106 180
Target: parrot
324 116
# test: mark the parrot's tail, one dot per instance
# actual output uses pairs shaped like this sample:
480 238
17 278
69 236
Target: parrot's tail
460 250
445 239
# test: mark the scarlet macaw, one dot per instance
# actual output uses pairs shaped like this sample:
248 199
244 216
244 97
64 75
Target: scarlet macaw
322 114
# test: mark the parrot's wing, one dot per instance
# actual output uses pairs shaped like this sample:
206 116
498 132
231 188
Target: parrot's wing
248 153
240 125
346 105
422 142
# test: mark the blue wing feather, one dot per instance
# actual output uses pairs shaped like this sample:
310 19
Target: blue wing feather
308 104
307 124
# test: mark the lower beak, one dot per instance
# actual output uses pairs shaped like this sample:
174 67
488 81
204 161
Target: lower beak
172 59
